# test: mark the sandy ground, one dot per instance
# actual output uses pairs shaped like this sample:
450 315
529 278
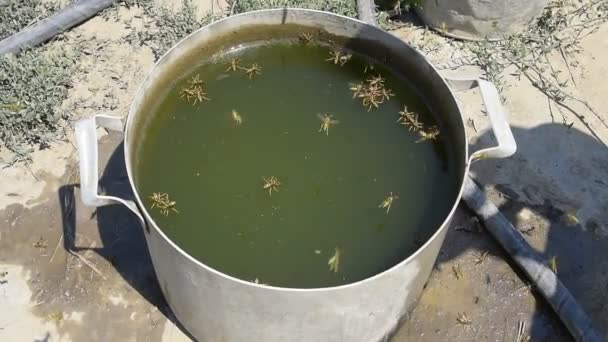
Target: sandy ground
90 276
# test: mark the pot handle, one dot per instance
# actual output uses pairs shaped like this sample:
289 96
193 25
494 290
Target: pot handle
500 126
86 140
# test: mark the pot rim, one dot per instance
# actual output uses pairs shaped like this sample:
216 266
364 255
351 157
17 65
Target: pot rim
150 221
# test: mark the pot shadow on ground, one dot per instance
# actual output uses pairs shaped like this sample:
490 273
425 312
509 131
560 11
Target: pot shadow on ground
524 183
122 236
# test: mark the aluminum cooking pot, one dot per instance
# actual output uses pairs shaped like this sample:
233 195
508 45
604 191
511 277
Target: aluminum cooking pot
214 306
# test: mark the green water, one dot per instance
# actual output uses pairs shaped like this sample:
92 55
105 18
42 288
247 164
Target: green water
331 185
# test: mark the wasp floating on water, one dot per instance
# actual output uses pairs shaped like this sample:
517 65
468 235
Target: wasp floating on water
163 203
334 261
326 122
388 202
271 184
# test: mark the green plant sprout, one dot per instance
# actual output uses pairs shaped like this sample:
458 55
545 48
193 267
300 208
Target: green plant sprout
56 316
553 263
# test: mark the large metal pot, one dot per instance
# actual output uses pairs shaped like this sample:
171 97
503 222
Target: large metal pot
479 19
213 306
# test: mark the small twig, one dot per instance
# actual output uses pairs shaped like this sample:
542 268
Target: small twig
88 263
550 109
56 247
232 7
521 328
541 79
471 121
561 51
27 166
33 21
35 301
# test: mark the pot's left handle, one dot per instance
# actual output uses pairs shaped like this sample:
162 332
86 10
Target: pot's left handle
496 113
86 140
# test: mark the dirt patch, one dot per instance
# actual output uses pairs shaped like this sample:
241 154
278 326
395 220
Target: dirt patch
84 270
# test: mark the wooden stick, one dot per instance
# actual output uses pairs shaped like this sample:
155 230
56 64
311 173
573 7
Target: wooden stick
366 11
88 263
232 7
56 247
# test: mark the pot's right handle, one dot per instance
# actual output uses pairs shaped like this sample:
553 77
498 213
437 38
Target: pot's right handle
500 126
86 140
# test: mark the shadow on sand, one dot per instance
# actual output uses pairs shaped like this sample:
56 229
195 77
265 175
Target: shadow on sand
122 237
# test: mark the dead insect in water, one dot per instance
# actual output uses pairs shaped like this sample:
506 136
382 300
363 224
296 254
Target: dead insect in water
429 134
233 65
334 261
372 92
163 203
196 80
338 57
457 270
238 119
376 80
272 184
463 319
388 202
253 70
305 37
194 92
410 119
326 122
40 244
387 93
357 89
481 257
